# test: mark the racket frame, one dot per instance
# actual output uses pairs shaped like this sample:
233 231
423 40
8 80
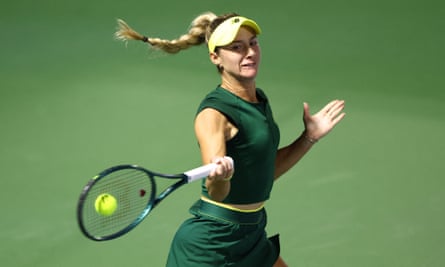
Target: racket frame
154 199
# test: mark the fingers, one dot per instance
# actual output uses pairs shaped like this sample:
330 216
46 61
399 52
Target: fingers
224 169
321 123
338 118
335 107
306 111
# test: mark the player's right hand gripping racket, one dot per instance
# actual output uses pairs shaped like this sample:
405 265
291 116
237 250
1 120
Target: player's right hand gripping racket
133 190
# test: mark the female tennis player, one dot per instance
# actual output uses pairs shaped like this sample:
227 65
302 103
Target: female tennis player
235 119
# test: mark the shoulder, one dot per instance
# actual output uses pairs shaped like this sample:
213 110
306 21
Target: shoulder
216 96
220 101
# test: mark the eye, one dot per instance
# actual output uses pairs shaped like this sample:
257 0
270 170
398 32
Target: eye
236 47
253 42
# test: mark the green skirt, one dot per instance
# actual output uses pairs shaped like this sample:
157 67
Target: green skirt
216 236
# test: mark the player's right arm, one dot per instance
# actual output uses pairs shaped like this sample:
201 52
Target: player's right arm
212 130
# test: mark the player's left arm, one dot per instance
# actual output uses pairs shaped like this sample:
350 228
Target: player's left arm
316 127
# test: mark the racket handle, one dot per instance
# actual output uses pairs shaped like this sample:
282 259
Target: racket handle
203 171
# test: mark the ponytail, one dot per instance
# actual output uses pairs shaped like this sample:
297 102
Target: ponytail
196 35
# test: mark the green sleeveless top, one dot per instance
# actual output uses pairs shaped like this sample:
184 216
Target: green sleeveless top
253 148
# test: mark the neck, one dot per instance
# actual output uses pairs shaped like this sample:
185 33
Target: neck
245 90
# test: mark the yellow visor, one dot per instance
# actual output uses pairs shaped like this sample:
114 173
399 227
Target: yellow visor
226 32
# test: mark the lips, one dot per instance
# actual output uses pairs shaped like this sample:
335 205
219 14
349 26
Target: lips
248 65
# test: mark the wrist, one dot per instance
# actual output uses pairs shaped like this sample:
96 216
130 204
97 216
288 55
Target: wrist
308 139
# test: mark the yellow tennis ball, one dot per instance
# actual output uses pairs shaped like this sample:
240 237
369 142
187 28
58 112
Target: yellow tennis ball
105 204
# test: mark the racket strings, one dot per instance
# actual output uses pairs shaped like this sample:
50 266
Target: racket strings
132 188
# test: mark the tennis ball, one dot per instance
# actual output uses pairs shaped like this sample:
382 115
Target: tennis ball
105 204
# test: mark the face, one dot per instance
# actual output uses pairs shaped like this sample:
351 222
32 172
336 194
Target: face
241 58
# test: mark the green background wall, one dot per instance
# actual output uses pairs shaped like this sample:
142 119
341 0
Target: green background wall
74 101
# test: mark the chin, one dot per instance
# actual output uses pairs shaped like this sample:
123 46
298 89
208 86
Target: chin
249 74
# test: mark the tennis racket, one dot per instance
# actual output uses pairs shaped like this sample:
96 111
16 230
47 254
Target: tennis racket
130 191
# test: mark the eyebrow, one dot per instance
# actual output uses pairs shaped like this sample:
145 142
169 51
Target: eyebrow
240 41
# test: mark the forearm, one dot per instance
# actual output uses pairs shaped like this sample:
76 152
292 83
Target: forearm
218 183
218 189
290 155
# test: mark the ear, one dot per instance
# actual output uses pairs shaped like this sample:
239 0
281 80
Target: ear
215 58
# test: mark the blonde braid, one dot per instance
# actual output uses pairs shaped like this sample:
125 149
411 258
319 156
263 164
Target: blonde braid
196 35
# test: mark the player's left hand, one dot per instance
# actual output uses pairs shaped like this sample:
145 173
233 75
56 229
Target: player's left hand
322 122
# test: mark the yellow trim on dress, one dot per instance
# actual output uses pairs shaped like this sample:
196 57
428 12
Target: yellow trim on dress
222 205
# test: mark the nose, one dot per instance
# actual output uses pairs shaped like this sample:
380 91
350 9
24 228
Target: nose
251 51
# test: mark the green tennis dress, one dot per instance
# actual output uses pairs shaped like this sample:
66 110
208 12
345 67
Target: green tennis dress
219 236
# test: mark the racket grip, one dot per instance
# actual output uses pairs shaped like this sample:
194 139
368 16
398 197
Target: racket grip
203 171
